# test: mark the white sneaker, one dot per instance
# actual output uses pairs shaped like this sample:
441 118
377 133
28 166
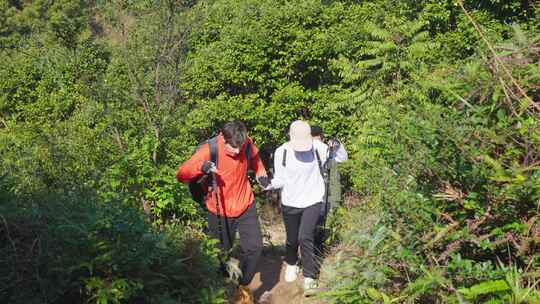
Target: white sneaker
309 285
291 272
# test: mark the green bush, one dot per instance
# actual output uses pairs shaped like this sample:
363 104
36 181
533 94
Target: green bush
443 158
62 251
101 101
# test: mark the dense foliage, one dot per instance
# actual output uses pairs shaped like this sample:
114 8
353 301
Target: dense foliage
438 103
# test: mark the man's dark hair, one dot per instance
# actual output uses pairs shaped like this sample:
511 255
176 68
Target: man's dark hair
234 133
316 131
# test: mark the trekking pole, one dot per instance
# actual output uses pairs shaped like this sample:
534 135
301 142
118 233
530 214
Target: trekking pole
215 189
218 215
219 203
228 267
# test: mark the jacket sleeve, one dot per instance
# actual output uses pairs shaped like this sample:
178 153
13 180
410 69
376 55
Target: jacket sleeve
279 171
256 163
341 154
191 169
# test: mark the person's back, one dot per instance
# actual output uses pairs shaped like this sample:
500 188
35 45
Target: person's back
294 173
298 173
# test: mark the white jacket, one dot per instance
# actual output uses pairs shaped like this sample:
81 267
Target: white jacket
300 180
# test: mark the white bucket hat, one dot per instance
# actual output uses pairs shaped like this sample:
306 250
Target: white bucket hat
300 135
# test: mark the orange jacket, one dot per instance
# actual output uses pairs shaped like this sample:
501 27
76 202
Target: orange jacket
233 184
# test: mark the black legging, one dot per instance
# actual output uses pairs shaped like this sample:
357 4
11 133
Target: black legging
300 226
250 239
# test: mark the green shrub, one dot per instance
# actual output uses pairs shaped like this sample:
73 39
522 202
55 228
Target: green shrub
65 251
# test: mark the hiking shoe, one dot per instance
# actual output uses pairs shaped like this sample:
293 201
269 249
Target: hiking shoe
291 272
310 286
243 295
233 269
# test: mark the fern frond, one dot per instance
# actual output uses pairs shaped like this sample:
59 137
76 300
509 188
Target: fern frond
369 63
376 32
519 36
484 288
415 27
421 36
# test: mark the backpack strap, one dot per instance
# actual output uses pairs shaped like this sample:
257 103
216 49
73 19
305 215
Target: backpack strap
320 163
212 143
284 160
248 154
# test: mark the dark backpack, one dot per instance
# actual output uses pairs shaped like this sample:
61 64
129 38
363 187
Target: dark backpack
333 175
199 188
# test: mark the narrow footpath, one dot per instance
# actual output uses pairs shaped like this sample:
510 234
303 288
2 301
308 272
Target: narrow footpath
268 285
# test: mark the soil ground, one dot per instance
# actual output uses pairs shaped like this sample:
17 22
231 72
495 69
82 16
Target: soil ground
268 285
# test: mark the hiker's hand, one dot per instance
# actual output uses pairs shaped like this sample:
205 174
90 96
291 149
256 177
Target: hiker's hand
263 181
334 144
208 167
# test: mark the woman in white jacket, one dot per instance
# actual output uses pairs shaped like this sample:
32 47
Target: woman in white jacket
298 173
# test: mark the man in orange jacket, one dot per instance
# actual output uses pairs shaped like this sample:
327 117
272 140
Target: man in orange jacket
236 209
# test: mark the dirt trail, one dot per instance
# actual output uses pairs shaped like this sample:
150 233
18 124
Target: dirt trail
268 285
